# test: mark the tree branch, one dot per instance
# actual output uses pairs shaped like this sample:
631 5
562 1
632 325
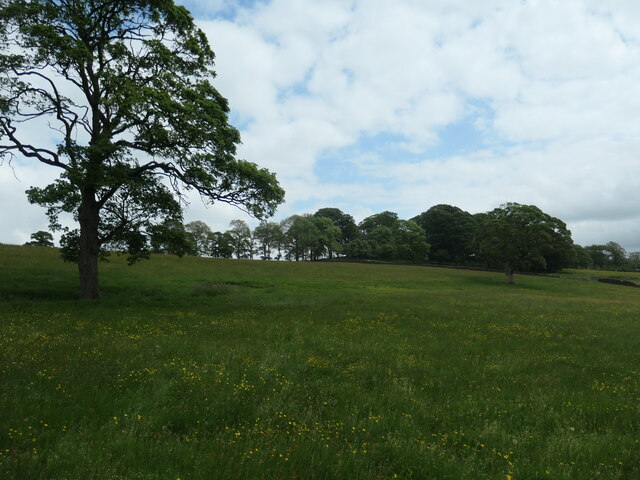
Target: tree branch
27 150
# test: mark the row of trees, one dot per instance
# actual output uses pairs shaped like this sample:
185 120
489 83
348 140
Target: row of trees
610 256
327 234
126 90
513 237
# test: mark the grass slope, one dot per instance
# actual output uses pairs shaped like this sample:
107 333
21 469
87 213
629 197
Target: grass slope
198 369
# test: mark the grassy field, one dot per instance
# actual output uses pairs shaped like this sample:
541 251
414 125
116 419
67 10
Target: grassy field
217 369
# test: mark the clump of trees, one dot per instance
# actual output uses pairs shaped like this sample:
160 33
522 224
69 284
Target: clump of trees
610 256
384 236
450 231
512 238
327 234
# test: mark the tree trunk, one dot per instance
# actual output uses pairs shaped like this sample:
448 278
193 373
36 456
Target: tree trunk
508 271
89 247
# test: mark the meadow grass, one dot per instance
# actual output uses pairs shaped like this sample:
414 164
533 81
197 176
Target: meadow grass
195 368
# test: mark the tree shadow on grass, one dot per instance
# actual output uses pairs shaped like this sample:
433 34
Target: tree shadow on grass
41 293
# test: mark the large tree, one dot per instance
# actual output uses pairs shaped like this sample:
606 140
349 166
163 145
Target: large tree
450 232
221 244
520 236
134 120
345 222
384 219
410 243
617 255
241 239
269 237
199 234
581 257
302 237
329 238
634 261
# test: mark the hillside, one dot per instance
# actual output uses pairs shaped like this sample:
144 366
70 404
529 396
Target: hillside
196 368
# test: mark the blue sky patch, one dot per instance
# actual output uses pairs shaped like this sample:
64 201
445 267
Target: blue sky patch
226 9
468 135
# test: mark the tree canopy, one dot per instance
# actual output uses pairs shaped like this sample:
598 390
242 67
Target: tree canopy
345 222
386 237
41 239
269 237
125 89
522 237
611 255
450 232
171 237
527 238
199 235
241 239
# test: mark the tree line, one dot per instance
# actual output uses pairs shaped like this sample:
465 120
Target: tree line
512 237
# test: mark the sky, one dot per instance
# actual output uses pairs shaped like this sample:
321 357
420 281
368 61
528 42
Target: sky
400 105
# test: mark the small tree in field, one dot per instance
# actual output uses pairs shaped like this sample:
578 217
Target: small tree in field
41 239
125 89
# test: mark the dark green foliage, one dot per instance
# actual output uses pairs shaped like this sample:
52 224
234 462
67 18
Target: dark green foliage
221 245
597 255
301 237
359 249
450 231
559 253
582 259
269 237
384 219
330 238
386 237
311 237
199 235
616 254
41 239
410 245
609 257
634 261
522 237
345 222
171 237
241 239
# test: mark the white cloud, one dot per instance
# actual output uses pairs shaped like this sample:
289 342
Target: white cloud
18 218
